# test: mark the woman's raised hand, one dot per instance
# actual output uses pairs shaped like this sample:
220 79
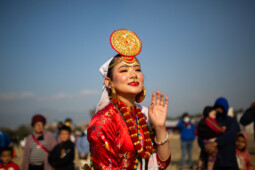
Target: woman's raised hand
158 109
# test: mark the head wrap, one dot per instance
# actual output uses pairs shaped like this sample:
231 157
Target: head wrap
105 99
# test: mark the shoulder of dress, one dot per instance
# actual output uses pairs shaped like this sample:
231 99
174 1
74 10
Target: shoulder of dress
105 116
109 109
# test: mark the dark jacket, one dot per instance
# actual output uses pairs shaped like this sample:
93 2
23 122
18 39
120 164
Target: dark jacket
204 131
248 117
62 156
226 142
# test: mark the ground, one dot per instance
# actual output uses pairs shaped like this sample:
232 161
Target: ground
175 150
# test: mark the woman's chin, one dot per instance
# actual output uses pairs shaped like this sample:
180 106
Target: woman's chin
131 94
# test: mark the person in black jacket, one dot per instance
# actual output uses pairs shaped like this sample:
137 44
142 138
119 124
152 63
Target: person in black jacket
208 130
249 117
62 156
225 143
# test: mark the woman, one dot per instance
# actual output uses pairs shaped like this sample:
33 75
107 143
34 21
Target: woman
119 135
38 145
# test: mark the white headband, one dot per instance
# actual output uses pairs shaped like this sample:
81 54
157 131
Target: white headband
105 99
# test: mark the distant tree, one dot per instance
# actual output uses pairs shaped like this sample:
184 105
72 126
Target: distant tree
19 133
23 131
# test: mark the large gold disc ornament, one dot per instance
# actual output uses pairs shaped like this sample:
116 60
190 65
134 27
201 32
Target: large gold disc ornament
126 43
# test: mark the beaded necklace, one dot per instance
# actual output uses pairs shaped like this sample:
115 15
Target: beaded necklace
143 152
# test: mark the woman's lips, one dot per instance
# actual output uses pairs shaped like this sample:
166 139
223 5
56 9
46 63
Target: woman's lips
133 84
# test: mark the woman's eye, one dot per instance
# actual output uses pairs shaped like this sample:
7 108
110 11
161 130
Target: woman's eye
138 70
123 71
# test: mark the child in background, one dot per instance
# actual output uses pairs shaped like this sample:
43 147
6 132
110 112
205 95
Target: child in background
6 160
208 129
242 155
62 156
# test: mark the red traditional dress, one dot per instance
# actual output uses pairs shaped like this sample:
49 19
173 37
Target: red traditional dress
111 144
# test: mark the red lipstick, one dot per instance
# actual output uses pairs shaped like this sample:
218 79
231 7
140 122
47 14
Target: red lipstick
133 83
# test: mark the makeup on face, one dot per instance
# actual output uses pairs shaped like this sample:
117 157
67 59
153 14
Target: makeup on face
127 79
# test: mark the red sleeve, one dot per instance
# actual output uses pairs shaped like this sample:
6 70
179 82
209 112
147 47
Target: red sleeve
249 162
163 164
101 136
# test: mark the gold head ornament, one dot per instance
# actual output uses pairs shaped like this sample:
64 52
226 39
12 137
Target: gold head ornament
127 44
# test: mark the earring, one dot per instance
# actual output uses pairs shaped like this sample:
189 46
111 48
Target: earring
113 94
140 97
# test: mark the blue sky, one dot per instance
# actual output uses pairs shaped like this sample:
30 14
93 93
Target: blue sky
194 51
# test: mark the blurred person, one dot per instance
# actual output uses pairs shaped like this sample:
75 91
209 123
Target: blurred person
231 112
249 117
6 159
187 130
225 143
59 125
62 155
82 145
120 133
242 155
56 133
208 129
38 145
68 122
4 140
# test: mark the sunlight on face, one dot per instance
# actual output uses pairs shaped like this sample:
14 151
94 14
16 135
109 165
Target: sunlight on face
127 80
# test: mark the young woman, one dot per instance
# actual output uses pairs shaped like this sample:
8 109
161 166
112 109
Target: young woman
123 134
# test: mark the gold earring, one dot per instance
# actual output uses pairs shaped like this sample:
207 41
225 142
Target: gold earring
113 94
140 97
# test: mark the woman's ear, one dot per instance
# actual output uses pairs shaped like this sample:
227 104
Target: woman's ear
107 82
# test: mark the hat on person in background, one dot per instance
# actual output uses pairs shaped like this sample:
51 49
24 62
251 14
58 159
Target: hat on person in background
38 118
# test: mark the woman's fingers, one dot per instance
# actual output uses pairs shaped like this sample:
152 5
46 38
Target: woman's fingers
162 99
153 98
158 98
166 102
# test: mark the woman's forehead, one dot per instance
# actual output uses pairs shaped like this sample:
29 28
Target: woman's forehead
122 63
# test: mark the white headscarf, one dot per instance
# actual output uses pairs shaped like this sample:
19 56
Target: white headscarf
105 99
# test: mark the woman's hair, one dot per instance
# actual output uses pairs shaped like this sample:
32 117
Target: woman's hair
115 59
7 149
185 115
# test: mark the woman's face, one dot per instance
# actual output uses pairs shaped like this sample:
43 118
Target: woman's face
38 127
127 80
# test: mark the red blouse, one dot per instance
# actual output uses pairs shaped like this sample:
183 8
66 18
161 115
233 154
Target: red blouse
110 143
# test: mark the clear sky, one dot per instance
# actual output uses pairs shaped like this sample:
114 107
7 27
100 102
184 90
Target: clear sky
194 51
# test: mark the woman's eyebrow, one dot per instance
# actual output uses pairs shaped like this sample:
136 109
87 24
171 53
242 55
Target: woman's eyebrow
137 65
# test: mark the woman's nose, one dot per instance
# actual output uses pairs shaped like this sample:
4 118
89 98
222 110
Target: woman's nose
133 74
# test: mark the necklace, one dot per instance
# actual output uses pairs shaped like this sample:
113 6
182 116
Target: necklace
143 152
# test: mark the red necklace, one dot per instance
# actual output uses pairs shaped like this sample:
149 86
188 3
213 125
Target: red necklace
143 152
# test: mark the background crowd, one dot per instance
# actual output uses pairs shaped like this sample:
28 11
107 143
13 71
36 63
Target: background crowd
223 145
